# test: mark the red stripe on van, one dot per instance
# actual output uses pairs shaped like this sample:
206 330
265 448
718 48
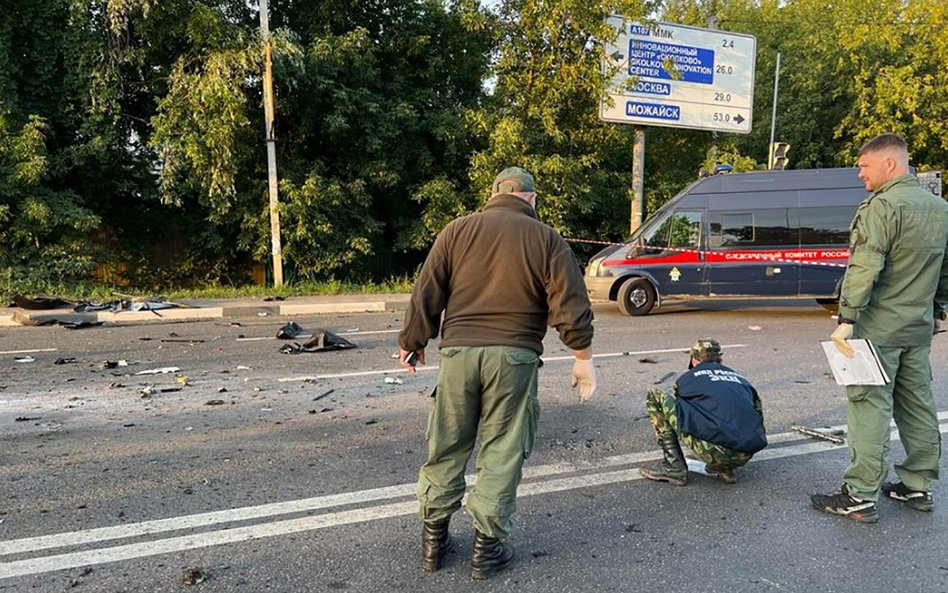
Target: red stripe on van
689 256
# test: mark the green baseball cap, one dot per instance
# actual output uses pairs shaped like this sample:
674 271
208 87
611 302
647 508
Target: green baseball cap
706 349
513 180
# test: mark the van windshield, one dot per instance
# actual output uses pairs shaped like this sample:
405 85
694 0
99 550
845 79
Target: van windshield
634 237
676 229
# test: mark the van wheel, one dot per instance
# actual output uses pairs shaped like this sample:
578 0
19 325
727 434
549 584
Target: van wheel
636 297
831 305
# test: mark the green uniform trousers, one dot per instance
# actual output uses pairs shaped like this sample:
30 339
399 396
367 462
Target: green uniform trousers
908 399
660 406
495 388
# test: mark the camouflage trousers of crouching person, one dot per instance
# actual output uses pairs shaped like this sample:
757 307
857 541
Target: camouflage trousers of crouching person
660 406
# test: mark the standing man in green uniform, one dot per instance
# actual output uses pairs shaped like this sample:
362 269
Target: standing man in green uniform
500 277
897 269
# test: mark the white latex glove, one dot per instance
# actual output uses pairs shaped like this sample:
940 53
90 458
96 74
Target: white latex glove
584 375
843 332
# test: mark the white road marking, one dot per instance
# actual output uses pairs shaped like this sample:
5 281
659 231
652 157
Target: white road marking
69 560
28 351
434 368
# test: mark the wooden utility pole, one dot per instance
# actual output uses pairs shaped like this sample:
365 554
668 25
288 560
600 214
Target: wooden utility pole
275 247
638 177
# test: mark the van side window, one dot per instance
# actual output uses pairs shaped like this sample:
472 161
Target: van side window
828 225
733 229
680 229
765 227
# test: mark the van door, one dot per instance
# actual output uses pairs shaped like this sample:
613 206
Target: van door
670 252
745 247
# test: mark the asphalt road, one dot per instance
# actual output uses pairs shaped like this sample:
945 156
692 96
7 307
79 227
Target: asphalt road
260 471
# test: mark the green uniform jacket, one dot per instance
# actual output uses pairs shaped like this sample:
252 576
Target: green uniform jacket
897 272
500 276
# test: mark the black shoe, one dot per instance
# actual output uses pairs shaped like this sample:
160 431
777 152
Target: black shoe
919 500
844 504
490 556
435 540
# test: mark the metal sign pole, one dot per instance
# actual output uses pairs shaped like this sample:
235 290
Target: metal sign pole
773 115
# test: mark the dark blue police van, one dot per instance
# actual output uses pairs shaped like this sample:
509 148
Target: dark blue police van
760 234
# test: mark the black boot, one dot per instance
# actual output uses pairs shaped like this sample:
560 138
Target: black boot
673 468
490 555
723 474
435 539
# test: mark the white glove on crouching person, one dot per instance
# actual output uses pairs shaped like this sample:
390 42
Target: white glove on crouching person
584 375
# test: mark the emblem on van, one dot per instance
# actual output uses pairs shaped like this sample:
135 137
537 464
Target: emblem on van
674 274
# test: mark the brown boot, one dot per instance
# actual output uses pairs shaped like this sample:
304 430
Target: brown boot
673 468
435 540
490 556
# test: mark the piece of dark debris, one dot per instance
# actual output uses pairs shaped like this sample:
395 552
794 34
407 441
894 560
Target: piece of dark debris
193 576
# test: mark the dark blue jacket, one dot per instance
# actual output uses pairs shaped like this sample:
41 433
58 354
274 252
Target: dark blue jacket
717 405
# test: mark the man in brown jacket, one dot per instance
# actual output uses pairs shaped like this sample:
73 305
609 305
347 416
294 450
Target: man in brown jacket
499 277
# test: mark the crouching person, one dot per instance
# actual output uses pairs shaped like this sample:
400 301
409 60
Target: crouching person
714 410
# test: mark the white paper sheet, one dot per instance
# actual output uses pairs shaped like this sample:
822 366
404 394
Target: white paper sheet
862 369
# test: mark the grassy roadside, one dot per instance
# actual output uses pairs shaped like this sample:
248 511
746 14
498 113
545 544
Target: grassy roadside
91 292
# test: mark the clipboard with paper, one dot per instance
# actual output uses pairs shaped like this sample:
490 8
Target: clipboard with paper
863 368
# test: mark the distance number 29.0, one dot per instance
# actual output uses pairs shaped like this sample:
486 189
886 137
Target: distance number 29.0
722 97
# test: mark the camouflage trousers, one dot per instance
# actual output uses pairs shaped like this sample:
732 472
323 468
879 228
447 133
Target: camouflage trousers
660 406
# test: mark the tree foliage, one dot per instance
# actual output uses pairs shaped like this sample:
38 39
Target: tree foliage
132 141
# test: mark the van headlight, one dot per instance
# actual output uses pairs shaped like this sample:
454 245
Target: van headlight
593 268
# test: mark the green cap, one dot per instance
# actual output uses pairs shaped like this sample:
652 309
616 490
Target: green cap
513 180
706 350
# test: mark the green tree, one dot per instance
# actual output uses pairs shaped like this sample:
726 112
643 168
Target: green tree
543 114
42 230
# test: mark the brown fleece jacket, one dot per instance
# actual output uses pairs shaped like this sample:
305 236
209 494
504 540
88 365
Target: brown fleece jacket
500 276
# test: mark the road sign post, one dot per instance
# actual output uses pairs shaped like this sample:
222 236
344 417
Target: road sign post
681 77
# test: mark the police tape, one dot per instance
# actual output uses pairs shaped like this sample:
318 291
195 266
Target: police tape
729 257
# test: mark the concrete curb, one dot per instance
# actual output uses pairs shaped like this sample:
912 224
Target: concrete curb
324 305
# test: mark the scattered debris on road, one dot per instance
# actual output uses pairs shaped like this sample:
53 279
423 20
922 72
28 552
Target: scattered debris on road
290 331
323 341
159 371
193 576
322 395
818 434
147 390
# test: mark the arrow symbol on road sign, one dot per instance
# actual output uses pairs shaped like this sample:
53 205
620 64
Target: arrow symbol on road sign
738 118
